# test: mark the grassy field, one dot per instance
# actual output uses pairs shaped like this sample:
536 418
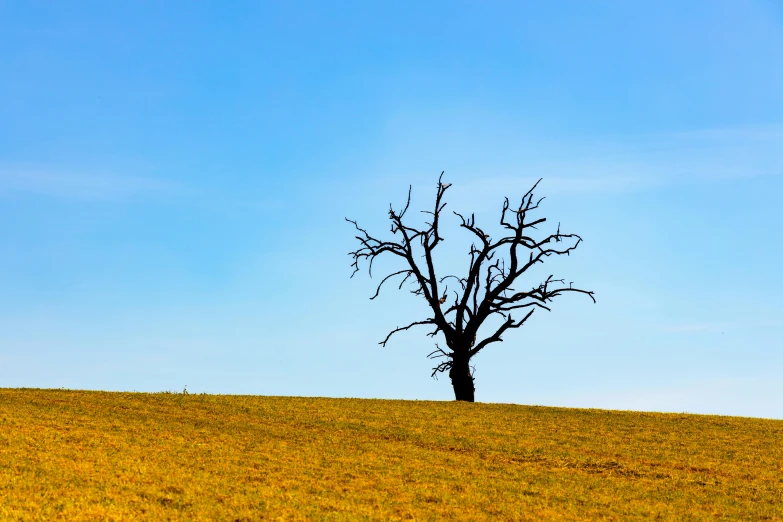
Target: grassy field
77 455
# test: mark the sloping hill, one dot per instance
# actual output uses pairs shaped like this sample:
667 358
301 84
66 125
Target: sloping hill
78 455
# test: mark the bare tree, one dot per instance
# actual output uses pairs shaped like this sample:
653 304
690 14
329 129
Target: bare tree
485 292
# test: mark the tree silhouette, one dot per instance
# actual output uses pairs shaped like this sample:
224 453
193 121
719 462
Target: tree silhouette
486 291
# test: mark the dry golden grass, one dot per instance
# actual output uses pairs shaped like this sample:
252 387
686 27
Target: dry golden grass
76 455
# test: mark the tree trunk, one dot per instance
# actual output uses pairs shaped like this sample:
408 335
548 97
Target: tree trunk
461 380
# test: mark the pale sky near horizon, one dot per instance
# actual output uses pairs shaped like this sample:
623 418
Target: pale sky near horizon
174 180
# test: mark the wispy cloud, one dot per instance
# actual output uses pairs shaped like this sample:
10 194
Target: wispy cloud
742 134
561 178
716 154
722 326
78 186
589 165
645 162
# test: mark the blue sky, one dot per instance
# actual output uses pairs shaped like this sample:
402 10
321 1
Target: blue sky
174 180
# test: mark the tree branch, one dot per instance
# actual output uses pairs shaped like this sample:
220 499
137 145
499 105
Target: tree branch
401 328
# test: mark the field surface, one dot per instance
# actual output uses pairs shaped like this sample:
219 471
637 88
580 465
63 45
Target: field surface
76 455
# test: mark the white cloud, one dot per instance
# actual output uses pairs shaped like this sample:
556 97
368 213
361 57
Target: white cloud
79 186
637 164
507 161
722 326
